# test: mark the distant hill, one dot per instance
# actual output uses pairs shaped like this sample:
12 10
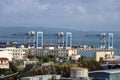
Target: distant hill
27 29
13 30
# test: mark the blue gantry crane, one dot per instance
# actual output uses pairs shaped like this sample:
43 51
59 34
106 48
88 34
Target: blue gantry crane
106 39
36 39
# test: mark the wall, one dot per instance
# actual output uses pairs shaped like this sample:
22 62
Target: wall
99 75
79 72
104 55
56 52
6 54
4 64
17 53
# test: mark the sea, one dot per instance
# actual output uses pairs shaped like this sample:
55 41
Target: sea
95 42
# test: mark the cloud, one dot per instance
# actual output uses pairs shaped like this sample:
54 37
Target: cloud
43 6
81 9
74 9
66 13
22 6
69 9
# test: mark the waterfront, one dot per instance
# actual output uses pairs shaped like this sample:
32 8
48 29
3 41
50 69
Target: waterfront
61 48
94 42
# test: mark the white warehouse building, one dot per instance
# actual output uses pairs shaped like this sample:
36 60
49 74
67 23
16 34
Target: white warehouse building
17 53
6 54
56 52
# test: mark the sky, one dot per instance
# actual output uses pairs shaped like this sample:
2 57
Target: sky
73 14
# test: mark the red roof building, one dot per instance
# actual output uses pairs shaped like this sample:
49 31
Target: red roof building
4 63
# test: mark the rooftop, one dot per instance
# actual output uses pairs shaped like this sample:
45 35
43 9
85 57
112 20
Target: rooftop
110 71
78 68
1 59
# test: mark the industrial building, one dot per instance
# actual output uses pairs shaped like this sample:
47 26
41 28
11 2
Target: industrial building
79 72
62 46
6 54
43 77
75 57
97 56
115 60
16 53
4 63
55 52
112 74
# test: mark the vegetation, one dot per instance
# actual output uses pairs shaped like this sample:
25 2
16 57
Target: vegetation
30 56
4 72
82 58
61 68
51 56
45 59
64 68
18 63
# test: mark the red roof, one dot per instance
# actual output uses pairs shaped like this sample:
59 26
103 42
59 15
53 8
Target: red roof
1 59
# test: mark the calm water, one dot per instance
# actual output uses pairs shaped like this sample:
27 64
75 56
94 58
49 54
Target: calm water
82 41
96 43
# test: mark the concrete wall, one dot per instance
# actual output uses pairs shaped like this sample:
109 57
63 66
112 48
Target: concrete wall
105 76
104 55
56 52
115 76
42 77
4 64
6 54
99 75
78 72
17 53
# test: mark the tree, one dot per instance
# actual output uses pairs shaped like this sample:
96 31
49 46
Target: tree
4 71
51 56
30 56
45 59
82 58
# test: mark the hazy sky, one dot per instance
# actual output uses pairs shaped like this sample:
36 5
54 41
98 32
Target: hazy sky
74 14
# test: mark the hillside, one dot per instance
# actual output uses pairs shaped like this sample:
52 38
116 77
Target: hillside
64 70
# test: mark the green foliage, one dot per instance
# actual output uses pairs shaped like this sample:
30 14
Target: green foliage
45 59
4 71
51 56
82 58
101 60
30 56
18 63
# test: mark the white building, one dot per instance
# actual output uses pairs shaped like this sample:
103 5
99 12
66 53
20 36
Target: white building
103 55
4 63
110 74
6 54
79 72
42 77
115 60
18 53
75 57
55 52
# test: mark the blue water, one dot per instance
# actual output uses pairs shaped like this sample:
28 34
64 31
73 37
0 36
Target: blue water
82 41
96 43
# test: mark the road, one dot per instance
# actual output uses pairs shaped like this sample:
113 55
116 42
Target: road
19 73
